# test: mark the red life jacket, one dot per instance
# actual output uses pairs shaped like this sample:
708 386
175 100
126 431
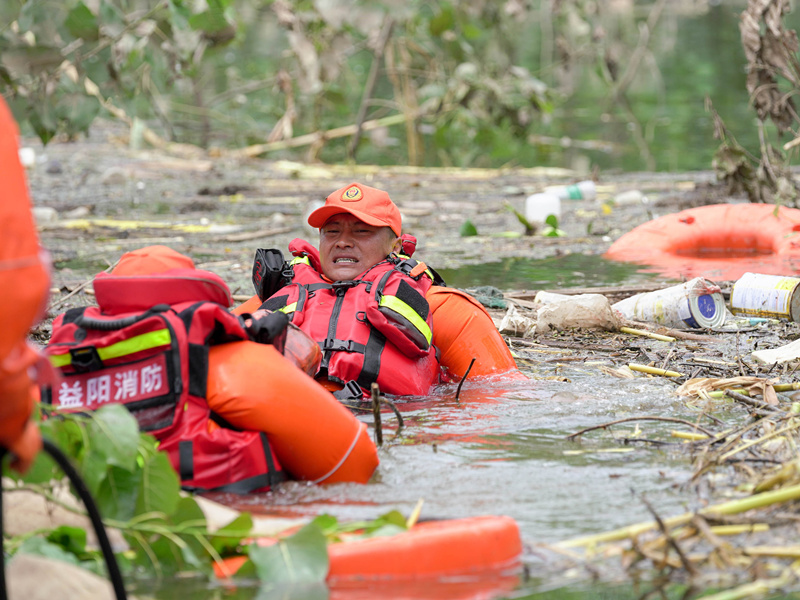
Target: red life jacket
376 328
146 347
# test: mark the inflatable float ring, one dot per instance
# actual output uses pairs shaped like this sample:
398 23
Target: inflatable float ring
718 241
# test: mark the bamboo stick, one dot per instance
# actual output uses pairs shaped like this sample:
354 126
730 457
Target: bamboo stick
648 334
686 435
653 370
726 508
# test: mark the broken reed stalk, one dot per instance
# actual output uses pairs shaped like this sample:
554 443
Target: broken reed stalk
653 370
376 413
628 419
397 414
648 334
749 401
760 440
673 543
83 285
726 508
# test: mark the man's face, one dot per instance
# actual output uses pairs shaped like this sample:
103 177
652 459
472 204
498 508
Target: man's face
348 246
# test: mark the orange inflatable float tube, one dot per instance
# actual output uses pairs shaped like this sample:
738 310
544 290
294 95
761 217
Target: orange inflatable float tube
720 241
463 330
470 546
314 437
25 281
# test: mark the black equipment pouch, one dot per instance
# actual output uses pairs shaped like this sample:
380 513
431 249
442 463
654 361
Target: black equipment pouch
270 272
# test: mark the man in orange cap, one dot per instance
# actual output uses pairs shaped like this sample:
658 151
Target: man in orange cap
363 303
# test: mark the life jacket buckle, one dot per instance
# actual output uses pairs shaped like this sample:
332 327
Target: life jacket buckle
340 287
350 391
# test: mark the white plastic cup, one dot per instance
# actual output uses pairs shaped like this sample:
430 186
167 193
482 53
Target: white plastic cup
583 190
540 206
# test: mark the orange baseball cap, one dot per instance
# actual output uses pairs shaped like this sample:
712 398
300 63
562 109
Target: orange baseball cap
371 205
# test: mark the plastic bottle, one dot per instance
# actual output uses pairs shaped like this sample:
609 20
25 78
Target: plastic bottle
540 206
583 190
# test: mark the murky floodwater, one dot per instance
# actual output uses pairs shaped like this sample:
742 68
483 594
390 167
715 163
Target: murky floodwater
569 270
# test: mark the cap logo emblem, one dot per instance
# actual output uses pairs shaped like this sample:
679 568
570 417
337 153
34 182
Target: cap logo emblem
352 194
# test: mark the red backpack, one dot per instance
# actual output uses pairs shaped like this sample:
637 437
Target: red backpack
146 346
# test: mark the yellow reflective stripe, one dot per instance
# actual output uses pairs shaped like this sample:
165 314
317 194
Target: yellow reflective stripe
400 307
298 260
289 308
138 343
60 360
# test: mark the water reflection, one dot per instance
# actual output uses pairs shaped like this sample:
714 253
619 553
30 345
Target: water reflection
569 270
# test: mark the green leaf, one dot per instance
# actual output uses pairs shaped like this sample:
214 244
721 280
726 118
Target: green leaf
41 547
82 24
71 539
77 112
468 229
160 489
551 220
553 232
43 122
328 524
117 493
387 530
444 21
211 20
228 538
302 557
115 435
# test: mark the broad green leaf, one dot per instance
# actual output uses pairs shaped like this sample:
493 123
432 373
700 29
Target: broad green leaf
78 111
82 24
211 20
43 122
118 492
160 490
300 557
44 469
227 538
188 511
114 434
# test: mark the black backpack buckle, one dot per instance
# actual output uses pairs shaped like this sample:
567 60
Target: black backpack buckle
85 359
350 391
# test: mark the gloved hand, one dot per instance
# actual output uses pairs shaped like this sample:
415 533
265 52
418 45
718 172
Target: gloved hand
267 327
